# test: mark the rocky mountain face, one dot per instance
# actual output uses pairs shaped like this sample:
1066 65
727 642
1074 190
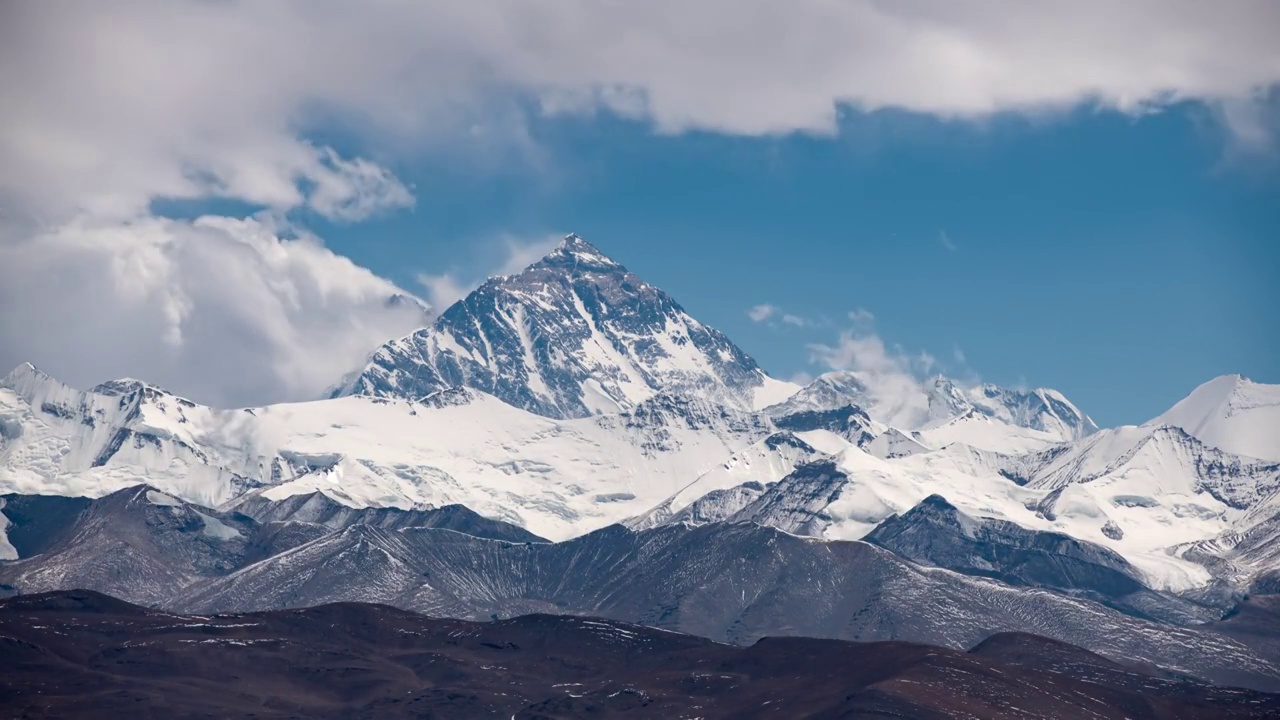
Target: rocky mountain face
320 509
734 582
144 545
936 533
572 335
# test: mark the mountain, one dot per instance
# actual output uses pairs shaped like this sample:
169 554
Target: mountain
555 478
55 439
936 533
1231 413
722 491
81 654
138 542
1041 409
1171 505
1148 494
940 411
728 582
320 509
574 334
145 545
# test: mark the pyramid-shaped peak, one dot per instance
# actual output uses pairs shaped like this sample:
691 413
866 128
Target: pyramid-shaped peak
24 370
575 253
27 380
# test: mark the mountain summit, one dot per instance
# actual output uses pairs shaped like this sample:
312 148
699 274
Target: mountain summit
1232 413
573 334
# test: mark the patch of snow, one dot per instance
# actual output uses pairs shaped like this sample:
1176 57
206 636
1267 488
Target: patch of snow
215 528
7 550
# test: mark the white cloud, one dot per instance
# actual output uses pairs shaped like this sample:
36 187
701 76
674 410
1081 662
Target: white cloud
772 315
762 312
443 290
108 105
224 311
801 378
862 317
890 375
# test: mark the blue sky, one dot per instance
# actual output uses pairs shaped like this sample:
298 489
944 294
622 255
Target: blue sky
220 197
1122 260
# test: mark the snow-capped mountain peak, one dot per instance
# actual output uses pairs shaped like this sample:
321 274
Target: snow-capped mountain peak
1231 413
579 255
574 334
1041 409
944 411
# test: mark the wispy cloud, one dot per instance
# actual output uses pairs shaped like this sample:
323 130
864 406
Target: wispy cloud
861 317
774 316
444 289
946 241
895 378
762 312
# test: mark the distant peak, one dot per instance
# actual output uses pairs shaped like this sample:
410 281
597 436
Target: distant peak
25 378
575 253
574 240
25 369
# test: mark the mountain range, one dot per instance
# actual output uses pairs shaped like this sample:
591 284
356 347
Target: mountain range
569 440
82 654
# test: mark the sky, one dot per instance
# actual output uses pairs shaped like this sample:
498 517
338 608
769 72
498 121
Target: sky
239 201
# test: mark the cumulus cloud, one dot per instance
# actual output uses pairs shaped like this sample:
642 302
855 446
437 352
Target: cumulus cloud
515 255
775 317
227 312
108 105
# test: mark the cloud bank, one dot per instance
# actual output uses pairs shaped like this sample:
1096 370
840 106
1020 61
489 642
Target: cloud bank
225 311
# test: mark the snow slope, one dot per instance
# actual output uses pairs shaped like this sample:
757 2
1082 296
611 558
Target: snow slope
557 478
1232 413
1143 492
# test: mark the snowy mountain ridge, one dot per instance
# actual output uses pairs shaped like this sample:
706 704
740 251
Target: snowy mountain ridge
557 478
573 395
941 411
